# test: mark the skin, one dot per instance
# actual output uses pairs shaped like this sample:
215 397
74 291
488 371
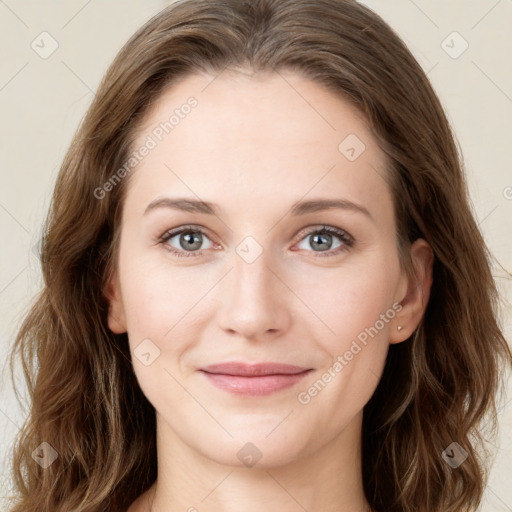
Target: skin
254 145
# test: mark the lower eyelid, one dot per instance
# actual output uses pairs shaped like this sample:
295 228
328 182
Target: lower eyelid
346 241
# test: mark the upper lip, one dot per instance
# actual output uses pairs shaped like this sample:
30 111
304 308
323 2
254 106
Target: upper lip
253 369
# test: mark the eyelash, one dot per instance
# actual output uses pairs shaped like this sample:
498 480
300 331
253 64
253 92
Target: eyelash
348 240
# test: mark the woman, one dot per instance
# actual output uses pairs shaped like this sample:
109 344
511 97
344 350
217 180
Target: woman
263 283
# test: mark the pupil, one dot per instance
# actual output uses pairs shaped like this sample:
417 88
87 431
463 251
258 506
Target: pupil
321 241
191 239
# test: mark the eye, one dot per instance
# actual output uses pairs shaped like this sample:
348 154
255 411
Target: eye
321 240
186 239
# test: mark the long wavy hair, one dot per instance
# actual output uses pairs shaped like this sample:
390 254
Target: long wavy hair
438 387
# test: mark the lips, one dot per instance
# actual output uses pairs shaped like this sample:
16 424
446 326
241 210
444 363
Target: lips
253 370
254 379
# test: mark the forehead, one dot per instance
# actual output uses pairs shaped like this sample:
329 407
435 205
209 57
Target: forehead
273 135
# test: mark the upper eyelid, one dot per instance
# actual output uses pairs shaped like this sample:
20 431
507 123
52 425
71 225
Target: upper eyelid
333 230
171 233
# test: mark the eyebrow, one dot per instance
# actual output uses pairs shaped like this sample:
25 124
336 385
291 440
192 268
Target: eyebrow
298 208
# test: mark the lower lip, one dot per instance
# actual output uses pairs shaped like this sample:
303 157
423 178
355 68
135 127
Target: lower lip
254 386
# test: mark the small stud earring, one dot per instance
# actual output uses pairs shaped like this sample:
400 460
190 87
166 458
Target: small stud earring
399 327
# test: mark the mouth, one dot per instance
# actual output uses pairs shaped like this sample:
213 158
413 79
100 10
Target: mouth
254 379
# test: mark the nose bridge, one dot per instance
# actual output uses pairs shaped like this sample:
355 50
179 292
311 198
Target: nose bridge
252 279
254 301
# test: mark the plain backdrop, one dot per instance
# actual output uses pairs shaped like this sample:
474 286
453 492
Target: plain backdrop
465 46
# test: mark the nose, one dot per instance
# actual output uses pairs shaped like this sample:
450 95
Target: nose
255 302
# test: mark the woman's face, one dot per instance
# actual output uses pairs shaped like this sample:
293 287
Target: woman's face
244 171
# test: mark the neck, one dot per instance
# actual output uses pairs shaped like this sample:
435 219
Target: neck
328 480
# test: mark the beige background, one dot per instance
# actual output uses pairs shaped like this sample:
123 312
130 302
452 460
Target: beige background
43 100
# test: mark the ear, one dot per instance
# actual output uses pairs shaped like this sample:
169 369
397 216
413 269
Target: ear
116 315
414 292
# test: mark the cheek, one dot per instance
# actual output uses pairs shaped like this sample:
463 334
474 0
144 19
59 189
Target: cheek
354 360
356 305
162 316
157 294
350 300
165 308
362 318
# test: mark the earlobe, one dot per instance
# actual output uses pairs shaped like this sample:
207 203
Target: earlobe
116 315
415 300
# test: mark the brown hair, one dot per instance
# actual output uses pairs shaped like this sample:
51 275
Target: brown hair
437 387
